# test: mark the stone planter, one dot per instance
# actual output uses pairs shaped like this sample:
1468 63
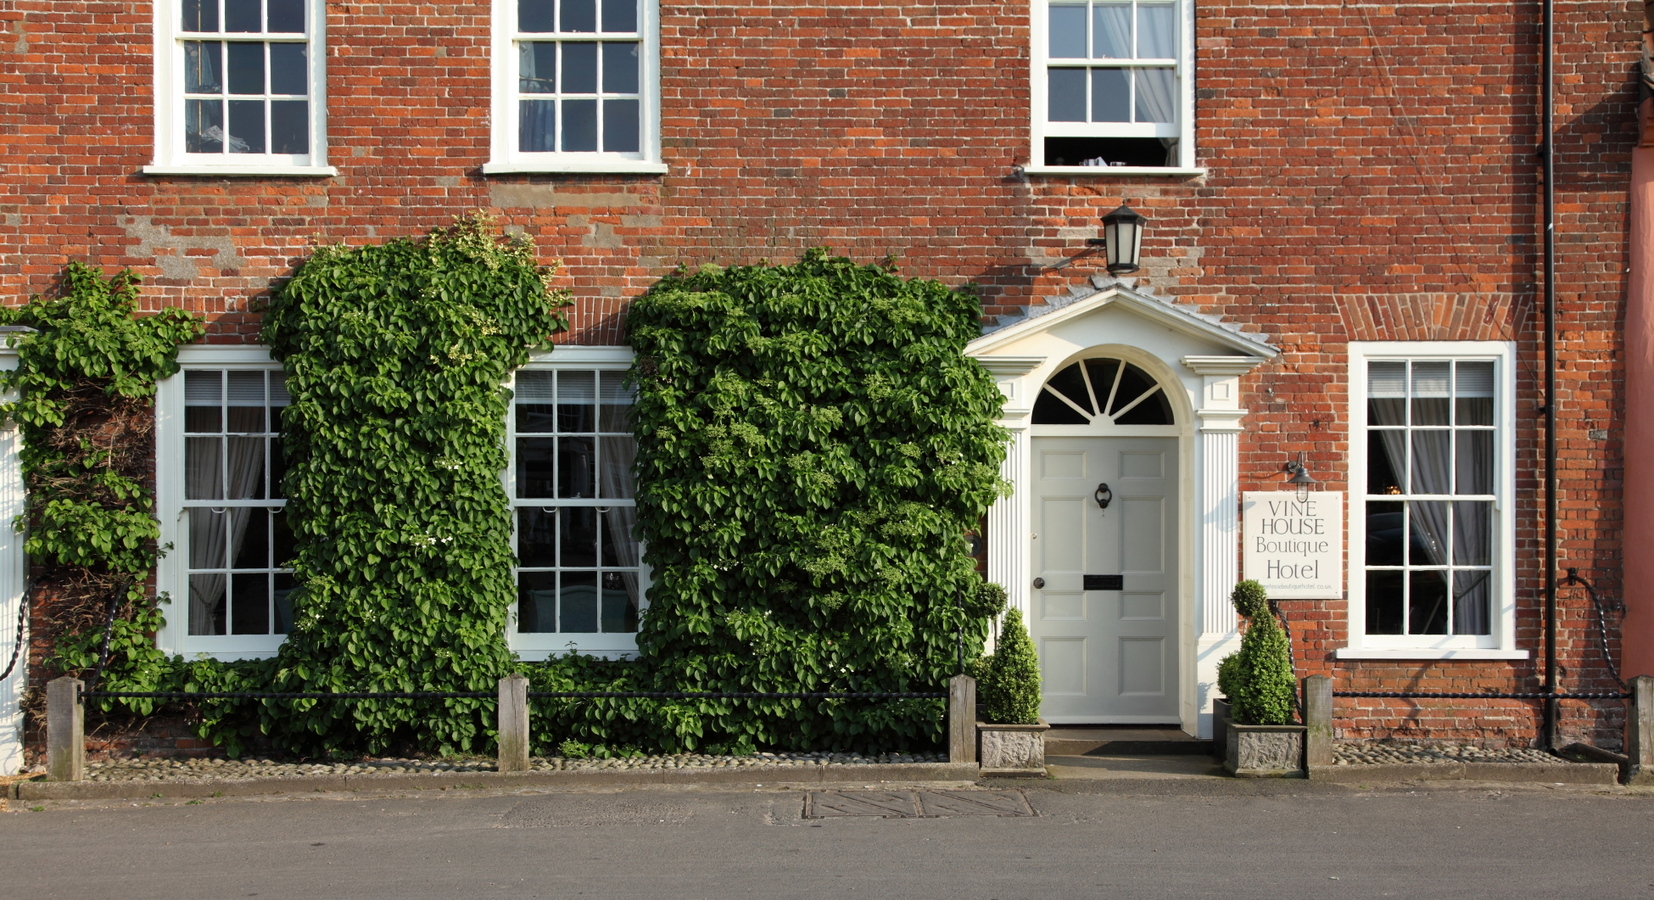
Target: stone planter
1220 732
1264 751
1012 749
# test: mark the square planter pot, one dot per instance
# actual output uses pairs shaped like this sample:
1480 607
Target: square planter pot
1012 749
1220 731
1264 751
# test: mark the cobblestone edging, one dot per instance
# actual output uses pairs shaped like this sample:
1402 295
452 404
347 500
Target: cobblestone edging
206 771
1374 753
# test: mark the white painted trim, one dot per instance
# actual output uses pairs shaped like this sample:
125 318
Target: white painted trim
1502 641
593 357
13 569
1116 171
1178 319
244 171
505 158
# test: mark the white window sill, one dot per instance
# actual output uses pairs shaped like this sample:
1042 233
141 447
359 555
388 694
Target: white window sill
245 171
598 167
1427 653
1105 171
541 654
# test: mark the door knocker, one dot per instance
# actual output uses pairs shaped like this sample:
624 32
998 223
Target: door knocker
1103 496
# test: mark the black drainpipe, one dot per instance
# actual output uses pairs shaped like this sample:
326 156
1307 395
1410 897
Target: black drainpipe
1548 159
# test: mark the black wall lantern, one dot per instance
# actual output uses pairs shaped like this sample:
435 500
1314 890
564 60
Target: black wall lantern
1300 479
1122 240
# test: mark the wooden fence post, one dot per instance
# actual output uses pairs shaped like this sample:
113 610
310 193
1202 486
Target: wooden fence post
513 739
962 719
1639 731
1318 722
65 730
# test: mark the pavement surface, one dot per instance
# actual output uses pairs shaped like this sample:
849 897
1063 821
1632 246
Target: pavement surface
1192 836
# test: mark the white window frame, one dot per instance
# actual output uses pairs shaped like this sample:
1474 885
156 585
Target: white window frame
1040 128
539 646
172 572
505 158
171 157
1500 643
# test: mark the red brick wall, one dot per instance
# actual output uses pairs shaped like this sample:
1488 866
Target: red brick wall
1371 176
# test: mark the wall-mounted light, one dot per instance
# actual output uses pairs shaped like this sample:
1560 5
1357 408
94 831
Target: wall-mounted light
1300 478
1122 240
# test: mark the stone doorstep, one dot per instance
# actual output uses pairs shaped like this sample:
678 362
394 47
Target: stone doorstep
304 784
1559 772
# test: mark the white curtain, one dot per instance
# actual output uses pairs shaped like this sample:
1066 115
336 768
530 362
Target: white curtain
1156 95
615 463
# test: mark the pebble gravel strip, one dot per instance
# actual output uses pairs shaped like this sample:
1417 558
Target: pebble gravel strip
211 770
1389 754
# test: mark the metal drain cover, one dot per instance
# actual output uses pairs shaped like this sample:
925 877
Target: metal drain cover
915 804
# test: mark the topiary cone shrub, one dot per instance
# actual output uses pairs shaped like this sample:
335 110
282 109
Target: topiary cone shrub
1010 684
1257 678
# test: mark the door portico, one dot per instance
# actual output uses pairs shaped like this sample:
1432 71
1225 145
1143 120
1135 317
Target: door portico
1198 361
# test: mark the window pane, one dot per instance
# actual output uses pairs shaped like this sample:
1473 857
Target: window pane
1430 393
1067 32
619 15
278 466
537 67
618 455
619 603
578 538
284 585
1156 31
249 538
250 604
1472 595
620 68
578 609
246 468
203 468
286 16
207 603
1384 599
203 395
579 15
1111 31
1110 95
289 71
242 15
537 15
614 411
620 126
201 66
282 547
1473 386
1427 531
537 129
204 126
201 419
289 126
1386 393
200 15
535 394
1472 533
1386 461
1386 534
1065 95
536 473
576 400
246 126
579 125
208 548
1156 95
536 537
579 67
1432 462
246 68
1427 603
576 468
537 602
1475 462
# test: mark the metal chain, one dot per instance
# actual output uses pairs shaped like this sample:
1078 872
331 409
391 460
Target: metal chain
1488 695
578 695
22 620
1602 621
108 629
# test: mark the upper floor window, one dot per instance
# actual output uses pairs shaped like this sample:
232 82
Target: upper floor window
575 86
1111 85
1431 538
239 87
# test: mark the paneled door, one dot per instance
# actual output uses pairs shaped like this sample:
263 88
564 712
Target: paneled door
1105 604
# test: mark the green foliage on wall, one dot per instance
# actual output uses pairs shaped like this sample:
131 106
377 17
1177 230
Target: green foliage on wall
812 445
395 356
1258 678
1010 682
85 387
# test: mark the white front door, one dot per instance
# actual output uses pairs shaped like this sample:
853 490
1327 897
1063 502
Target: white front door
1105 606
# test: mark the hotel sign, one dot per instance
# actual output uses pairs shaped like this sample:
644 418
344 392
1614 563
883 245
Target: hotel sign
1295 548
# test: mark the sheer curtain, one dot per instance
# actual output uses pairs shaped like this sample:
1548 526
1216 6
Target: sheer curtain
616 455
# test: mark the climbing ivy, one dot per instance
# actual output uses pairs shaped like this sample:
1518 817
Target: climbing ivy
812 445
84 388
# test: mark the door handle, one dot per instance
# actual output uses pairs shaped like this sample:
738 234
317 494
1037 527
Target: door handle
1039 584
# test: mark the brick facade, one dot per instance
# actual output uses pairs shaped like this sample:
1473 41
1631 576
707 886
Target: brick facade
1371 175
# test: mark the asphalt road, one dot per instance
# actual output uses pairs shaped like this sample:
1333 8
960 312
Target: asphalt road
1219 838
